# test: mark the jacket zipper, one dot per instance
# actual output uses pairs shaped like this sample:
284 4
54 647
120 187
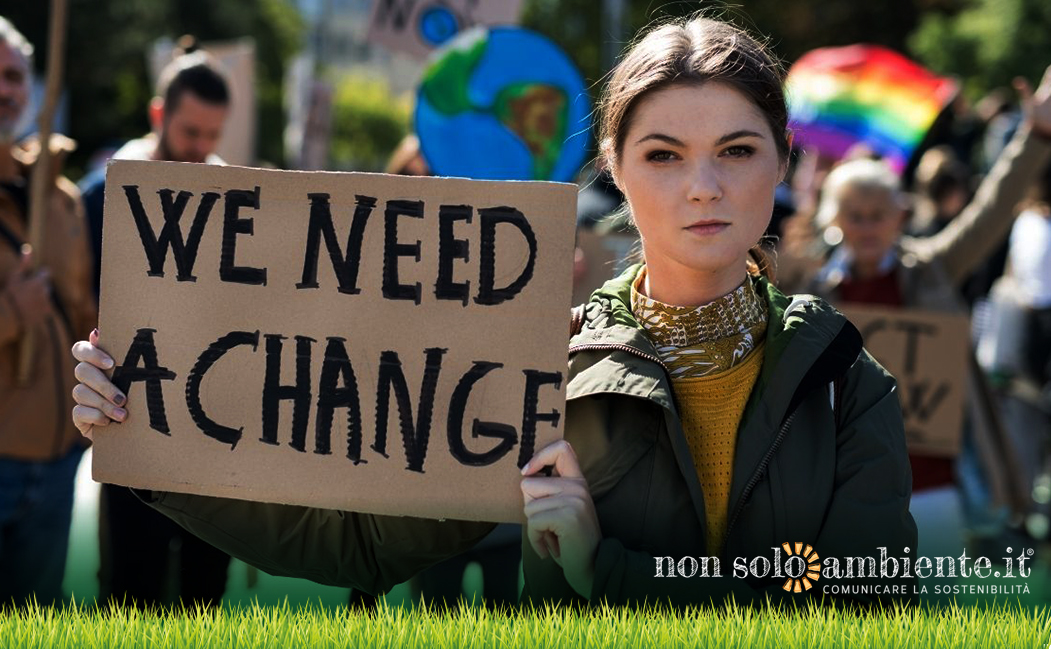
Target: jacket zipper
759 470
619 347
754 480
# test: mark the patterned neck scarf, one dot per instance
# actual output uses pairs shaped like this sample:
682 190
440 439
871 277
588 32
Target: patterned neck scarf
696 341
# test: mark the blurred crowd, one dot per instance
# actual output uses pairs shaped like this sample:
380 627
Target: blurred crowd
966 230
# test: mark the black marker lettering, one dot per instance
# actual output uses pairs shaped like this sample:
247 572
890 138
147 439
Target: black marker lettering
392 250
414 437
534 380
450 249
346 268
204 363
337 366
143 349
491 217
457 405
156 247
233 225
274 393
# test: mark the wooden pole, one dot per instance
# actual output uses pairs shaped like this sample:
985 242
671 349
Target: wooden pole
39 187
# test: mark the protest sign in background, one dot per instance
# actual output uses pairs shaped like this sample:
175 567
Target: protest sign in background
363 342
417 27
927 353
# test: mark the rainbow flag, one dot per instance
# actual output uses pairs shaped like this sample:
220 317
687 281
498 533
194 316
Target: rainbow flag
842 96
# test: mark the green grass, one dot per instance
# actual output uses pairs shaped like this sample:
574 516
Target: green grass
286 626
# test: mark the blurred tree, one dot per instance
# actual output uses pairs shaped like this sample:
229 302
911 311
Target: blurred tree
367 123
792 26
987 43
106 70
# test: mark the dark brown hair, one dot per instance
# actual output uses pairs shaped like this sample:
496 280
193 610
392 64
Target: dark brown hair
687 52
192 71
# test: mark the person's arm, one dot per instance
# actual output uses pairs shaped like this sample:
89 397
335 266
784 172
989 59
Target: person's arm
981 228
368 552
869 509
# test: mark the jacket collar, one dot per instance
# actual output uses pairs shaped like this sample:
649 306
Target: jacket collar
808 344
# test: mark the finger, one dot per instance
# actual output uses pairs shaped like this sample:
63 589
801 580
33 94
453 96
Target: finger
558 454
93 337
1025 91
553 546
94 378
533 488
87 352
571 503
85 419
25 262
538 542
85 396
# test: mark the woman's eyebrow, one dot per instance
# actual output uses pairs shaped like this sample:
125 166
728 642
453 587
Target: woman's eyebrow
736 134
663 138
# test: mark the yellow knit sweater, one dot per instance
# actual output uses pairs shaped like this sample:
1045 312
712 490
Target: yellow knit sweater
711 409
713 354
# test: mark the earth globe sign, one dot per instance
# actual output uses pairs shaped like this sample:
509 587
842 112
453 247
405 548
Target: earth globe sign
437 24
503 103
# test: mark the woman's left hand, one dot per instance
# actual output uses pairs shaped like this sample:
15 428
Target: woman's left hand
560 516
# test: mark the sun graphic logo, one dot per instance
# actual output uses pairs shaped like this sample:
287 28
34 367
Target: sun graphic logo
802 567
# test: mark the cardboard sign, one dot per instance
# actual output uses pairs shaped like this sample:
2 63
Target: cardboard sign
363 342
927 353
605 257
417 27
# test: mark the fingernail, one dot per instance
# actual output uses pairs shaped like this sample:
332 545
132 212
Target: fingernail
120 399
107 363
525 469
120 413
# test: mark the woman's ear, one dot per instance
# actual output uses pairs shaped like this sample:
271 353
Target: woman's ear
790 138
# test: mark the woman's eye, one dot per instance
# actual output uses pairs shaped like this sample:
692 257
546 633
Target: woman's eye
739 151
660 156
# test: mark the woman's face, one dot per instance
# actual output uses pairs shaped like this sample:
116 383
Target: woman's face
871 222
698 167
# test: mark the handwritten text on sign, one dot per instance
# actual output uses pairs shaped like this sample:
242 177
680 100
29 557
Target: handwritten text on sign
927 353
354 341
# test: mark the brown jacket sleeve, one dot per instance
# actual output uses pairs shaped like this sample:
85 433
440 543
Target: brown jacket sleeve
79 266
983 225
368 552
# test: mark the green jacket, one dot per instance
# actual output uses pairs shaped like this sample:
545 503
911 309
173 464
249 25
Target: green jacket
796 478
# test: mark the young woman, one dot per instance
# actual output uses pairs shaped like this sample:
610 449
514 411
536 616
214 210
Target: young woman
708 415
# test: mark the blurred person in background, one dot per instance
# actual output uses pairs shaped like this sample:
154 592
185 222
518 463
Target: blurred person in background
39 451
863 206
941 188
146 558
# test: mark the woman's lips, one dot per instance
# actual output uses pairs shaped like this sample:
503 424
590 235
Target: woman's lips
707 227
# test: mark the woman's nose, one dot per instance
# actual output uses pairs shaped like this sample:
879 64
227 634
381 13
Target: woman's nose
705 185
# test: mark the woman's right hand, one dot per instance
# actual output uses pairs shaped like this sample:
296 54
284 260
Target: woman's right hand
98 401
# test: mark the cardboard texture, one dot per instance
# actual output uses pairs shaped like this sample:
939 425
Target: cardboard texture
927 353
409 382
415 27
605 257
